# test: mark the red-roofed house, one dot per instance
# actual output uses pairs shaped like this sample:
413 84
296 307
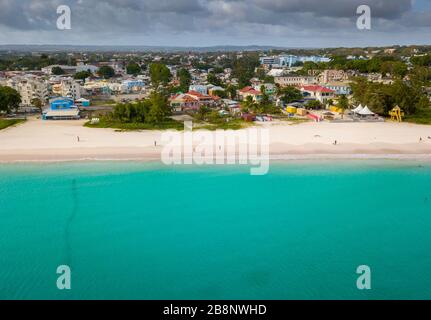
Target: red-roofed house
191 101
320 93
183 102
250 92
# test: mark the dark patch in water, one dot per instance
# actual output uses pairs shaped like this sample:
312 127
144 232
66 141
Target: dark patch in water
69 222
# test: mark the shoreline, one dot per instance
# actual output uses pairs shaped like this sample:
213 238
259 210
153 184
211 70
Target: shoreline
60 141
64 158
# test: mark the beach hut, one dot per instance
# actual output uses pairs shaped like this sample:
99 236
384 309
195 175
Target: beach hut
290 109
301 112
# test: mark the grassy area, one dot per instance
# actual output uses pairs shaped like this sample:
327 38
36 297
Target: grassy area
235 124
420 117
97 103
133 126
7 123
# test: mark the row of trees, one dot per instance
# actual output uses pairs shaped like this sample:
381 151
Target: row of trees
29 62
153 110
381 98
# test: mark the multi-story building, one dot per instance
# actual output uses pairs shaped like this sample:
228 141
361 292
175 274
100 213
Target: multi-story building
340 87
290 60
332 75
30 89
294 80
68 88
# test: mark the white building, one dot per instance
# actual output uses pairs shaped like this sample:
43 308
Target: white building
289 60
68 88
333 75
29 89
294 81
71 69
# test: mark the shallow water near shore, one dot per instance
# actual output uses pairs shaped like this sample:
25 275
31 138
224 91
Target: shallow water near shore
132 230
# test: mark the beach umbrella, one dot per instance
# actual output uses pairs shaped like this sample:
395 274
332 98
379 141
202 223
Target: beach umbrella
366 112
358 109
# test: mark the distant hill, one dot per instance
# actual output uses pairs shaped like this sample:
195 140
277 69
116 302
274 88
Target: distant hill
75 48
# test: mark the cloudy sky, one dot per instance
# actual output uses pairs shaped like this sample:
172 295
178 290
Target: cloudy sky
288 23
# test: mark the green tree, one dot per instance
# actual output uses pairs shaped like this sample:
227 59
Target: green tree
159 108
423 61
289 94
308 66
119 112
243 69
142 109
185 79
359 88
248 105
37 103
160 74
203 112
231 91
265 97
133 68
213 79
343 104
106 72
82 75
395 68
57 71
314 104
10 99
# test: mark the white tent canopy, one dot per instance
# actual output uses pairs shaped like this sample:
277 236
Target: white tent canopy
366 112
358 109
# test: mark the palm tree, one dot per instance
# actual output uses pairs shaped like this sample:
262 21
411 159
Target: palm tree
248 104
343 104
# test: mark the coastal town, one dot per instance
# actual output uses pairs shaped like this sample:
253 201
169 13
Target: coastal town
215 158
135 92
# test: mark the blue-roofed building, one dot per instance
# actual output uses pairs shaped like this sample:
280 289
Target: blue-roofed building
61 109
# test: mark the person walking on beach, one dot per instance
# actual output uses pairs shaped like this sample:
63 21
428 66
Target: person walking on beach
155 143
77 137
335 142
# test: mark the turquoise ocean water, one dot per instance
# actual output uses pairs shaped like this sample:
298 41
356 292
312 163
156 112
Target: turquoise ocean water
143 231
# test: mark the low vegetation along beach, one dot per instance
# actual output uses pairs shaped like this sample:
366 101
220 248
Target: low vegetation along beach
5 123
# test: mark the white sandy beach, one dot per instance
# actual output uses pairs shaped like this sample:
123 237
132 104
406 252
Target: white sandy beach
38 140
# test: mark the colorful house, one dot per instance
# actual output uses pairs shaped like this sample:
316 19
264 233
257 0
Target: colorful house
317 92
61 109
192 101
82 102
250 92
